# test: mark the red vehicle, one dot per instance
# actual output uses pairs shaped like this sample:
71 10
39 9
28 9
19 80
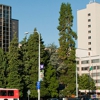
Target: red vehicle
9 94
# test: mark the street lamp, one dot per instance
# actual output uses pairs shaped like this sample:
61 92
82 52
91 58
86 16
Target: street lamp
39 67
38 83
26 34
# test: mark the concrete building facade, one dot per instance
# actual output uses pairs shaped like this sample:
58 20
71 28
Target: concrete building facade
88 23
88 52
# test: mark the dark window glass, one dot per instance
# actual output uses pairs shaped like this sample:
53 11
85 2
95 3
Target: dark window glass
3 93
89 20
85 62
89 48
0 27
94 67
0 44
89 25
5 99
98 67
77 62
89 14
95 61
10 93
89 43
15 99
84 68
89 37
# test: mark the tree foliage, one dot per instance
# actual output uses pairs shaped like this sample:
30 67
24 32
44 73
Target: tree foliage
24 67
53 55
33 61
14 77
19 67
86 82
51 81
3 69
66 50
51 76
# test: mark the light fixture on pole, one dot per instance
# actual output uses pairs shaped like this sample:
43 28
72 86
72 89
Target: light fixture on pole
26 34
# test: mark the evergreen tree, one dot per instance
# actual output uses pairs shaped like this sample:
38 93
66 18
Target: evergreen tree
66 50
86 82
14 79
3 68
51 71
51 81
53 55
32 66
24 67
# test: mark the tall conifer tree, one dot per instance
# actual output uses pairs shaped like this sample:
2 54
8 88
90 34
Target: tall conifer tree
14 77
66 50
24 66
3 69
33 61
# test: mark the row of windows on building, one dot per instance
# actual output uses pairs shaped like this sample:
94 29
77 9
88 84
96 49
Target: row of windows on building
97 81
89 61
87 68
89 37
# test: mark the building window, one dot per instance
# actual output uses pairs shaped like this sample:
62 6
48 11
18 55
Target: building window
77 68
95 61
77 62
89 37
95 74
89 48
98 67
89 25
84 68
89 14
10 92
85 62
89 20
89 31
89 43
94 67
3 93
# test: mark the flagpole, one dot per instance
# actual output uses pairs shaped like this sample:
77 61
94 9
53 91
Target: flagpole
89 81
89 70
92 75
76 84
89 73
96 80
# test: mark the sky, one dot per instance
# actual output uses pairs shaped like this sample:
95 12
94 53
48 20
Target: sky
43 15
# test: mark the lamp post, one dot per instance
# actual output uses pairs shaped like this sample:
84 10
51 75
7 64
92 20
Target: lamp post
38 83
39 67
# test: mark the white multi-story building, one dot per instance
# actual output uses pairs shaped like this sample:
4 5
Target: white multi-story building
88 30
